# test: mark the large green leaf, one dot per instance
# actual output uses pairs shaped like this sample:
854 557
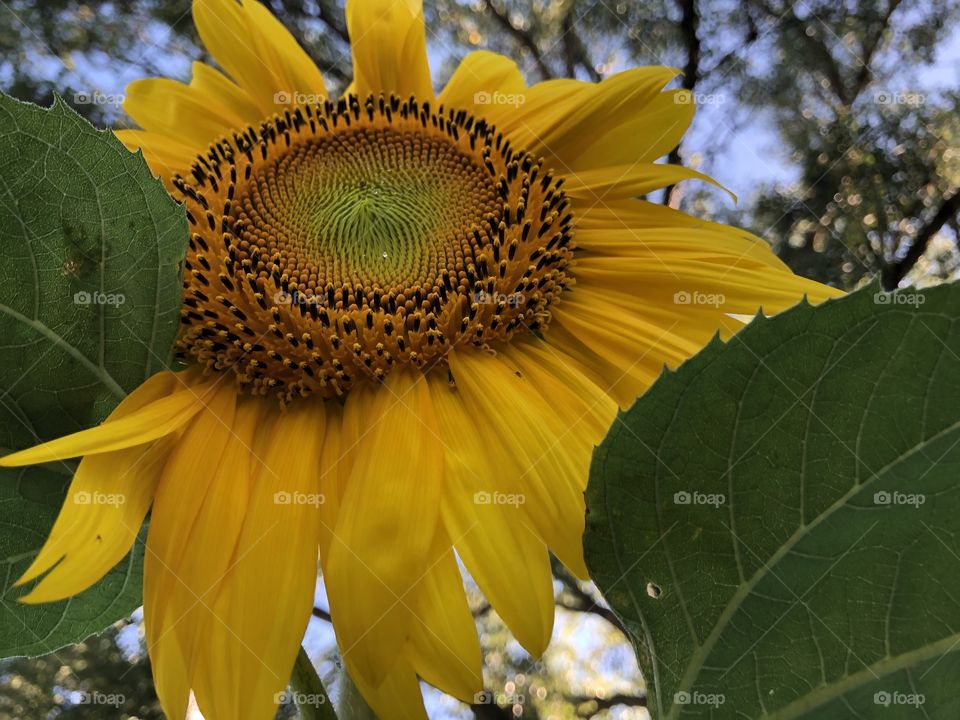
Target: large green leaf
89 298
778 522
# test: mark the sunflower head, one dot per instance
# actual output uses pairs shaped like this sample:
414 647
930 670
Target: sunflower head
338 241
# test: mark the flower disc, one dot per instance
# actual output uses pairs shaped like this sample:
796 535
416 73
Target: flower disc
341 240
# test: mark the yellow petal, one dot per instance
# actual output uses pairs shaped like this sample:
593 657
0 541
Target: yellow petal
620 332
180 496
578 400
210 552
444 645
385 529
358 410
485 533
568 121
149 422
624 384
257 52
694 286
397 697
482 81
543 115
265 600
388 40
104 508
180 121
239 108
662 300
717 245
332 453
626 181
165 156
638 214
292 68
172 109
99 520
526 442
641 137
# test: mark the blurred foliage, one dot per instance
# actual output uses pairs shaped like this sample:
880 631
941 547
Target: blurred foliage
871 147
877 152
107 676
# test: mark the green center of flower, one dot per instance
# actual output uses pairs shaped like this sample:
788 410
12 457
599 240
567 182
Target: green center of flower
373 206
337 242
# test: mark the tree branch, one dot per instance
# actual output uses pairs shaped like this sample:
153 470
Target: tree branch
583 602
521 36
689 25
490 711
895 272
326 12
870 49
574 50
594 705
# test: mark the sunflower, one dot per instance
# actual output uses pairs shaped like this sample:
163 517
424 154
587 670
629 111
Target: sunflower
407 320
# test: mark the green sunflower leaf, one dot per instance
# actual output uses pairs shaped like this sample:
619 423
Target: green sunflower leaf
89 301
776 522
